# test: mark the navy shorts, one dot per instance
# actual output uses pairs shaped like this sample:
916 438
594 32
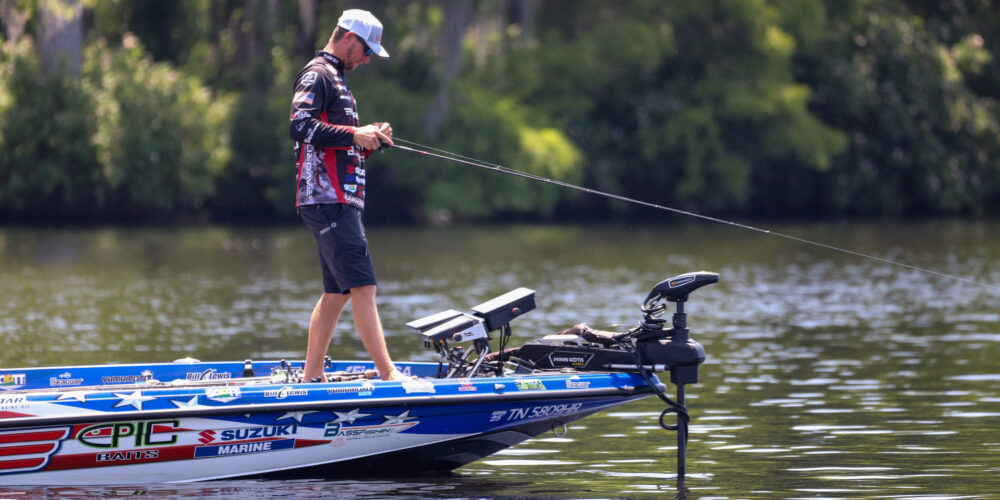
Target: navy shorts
343 248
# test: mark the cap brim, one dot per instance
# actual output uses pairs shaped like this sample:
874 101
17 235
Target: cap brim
378 50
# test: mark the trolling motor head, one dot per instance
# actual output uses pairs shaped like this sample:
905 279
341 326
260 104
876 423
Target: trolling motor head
672 347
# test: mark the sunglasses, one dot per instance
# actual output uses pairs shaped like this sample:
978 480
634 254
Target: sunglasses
368 50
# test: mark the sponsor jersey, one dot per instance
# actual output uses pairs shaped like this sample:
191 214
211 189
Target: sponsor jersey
324 115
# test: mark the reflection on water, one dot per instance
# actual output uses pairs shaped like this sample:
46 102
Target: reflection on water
827 374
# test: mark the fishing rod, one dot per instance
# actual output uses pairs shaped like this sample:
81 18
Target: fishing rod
465 160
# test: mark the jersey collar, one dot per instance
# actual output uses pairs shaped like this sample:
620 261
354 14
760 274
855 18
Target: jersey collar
332 59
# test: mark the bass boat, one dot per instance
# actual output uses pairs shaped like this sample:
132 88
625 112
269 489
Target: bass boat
191 420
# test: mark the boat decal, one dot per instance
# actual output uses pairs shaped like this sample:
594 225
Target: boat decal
243 448
135 400
284 392
543 411
297 415
143 376
343 433
80 396
12 381
419 385
529 384
208 374
29 450
574 382
365 389
222 394
8 403
130 434
570 359
64 379
248 434
397 419
350 416
191 403
466 385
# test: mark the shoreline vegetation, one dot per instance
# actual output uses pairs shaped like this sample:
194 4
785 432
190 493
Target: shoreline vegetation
146 112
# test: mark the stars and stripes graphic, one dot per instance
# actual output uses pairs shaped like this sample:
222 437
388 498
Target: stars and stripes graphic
29 450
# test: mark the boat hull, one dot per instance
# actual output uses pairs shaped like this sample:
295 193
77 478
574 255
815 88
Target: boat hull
143 434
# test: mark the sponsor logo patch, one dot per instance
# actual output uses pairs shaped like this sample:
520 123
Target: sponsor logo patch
11 381
306 97
209 374
64 379
128 379
284 392
222 394
529 384
416 386
243 448
309 78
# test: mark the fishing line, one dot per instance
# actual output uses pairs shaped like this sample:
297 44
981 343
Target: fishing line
457 158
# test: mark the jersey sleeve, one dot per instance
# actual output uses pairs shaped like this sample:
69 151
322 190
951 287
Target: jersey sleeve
309 125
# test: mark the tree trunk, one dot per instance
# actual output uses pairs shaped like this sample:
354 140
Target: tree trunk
60 35
12 20
457 16
307 28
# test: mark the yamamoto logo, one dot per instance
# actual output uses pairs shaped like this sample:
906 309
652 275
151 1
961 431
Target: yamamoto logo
11 381
128 379
209 374
284 392
247 433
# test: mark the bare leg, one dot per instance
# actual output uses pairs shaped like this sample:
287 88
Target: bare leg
370 330
321 325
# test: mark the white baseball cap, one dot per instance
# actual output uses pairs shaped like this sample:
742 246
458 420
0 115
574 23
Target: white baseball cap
364 24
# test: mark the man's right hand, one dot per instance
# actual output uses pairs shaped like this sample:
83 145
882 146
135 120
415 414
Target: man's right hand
373 136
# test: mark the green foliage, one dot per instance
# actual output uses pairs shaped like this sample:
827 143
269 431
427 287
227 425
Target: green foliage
48 164
752 107
921 141
161 136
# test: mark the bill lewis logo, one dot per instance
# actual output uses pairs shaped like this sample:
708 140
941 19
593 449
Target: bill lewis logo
11 381
284 392
209 374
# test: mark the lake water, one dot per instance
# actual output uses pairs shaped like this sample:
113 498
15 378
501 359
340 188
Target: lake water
828 375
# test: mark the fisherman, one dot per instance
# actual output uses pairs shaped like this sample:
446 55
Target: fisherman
331 147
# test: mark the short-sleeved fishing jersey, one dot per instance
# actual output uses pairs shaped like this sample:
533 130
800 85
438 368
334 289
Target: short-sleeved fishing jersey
324 115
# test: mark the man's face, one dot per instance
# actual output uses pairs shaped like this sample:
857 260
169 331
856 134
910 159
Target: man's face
356 53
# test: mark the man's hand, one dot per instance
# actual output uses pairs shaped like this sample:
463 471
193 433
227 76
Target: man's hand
372 136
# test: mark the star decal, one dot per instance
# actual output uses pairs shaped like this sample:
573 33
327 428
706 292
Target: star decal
135 399
350 416
80 396
398 419
297 415
191 403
